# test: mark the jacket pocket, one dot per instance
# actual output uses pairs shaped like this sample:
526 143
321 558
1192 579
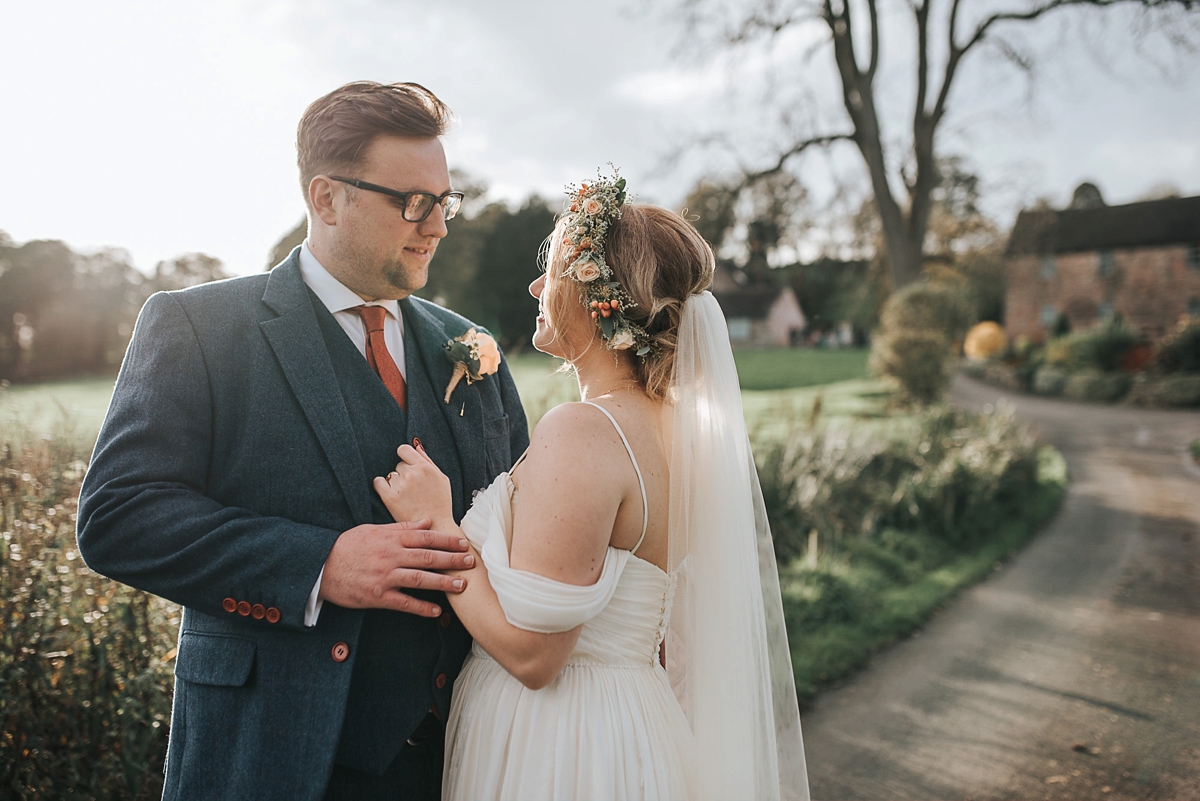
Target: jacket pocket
497 451
215 659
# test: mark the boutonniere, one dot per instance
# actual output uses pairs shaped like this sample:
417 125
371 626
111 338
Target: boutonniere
474 355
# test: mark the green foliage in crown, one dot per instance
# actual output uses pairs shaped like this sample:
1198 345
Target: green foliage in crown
592 211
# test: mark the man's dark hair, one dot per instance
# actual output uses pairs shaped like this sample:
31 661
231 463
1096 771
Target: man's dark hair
338 128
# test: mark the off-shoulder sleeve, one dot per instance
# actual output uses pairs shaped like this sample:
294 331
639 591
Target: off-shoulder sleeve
530 601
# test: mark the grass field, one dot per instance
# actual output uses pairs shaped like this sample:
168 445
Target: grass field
799 367
779 389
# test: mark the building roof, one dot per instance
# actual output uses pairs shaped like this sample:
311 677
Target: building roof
1170 221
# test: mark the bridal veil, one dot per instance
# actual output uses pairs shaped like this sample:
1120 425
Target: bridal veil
726 647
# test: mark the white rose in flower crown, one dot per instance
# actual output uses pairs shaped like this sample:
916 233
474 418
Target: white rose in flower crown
587 270
621 340
592 206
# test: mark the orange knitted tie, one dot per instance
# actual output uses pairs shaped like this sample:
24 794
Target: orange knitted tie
377 353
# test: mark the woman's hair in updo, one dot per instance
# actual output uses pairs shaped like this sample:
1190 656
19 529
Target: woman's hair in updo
660 260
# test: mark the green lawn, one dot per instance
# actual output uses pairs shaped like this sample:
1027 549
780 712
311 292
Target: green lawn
780 388
799 367
73 408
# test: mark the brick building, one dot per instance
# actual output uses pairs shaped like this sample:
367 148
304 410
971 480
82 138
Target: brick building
1091 261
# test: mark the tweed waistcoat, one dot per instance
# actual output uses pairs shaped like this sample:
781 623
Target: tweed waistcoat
400 657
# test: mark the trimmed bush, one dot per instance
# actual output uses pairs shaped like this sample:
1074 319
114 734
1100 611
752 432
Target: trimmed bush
927 306
1049 380
1180 390
1095 386
1180 350
912 346
919 361
1105 346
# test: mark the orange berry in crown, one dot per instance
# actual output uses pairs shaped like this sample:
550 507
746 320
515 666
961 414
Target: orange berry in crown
595 315
615 305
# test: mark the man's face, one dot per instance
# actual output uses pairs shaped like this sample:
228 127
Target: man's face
377 253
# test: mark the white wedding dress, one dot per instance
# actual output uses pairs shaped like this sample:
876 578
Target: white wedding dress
609 726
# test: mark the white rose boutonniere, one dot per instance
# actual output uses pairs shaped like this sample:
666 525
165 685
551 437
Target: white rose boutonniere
474 355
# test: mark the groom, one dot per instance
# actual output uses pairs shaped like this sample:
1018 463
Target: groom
233 476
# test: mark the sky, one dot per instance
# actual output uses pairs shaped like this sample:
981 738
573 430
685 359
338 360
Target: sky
168 128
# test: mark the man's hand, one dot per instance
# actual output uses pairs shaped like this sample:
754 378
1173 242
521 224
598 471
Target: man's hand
369 565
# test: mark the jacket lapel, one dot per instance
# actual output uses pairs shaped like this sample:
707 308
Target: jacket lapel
296 339
464 413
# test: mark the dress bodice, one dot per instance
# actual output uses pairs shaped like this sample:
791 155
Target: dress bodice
624 614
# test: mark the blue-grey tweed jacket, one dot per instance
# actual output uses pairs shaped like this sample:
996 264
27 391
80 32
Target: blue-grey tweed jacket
225 470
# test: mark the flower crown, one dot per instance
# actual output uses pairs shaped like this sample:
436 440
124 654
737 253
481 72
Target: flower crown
592 212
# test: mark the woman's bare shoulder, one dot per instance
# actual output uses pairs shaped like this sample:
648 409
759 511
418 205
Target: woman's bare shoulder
570 488
569 426
572 448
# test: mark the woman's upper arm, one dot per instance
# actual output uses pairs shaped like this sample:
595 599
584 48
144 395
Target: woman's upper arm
569 492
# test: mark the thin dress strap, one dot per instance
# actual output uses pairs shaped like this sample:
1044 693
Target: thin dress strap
636 469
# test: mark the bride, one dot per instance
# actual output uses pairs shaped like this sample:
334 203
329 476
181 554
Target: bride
629 639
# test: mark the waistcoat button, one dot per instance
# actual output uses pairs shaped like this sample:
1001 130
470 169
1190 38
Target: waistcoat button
340 652
440 681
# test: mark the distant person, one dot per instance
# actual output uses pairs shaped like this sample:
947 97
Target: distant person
233 476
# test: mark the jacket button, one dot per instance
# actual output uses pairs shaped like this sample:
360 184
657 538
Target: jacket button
229 605
258 611
440 681
243 608
340 652
444 619
273 615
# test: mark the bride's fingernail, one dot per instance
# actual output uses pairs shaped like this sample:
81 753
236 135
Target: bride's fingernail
417 443
468 560
462 543
458 584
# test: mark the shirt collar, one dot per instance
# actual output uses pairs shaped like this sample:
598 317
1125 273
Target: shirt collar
336 296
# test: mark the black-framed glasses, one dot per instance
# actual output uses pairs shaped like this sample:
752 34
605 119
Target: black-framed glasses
416 205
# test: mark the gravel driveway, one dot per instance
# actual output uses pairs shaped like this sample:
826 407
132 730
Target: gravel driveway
1074 671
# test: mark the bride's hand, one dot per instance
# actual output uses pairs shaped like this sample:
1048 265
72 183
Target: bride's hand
417 489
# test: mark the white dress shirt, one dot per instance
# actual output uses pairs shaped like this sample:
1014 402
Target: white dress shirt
340 300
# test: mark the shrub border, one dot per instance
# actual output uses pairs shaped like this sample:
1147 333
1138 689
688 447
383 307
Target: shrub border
828 656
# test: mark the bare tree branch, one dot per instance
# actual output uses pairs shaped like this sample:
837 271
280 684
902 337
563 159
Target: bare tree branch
874 64
753 176
904 224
